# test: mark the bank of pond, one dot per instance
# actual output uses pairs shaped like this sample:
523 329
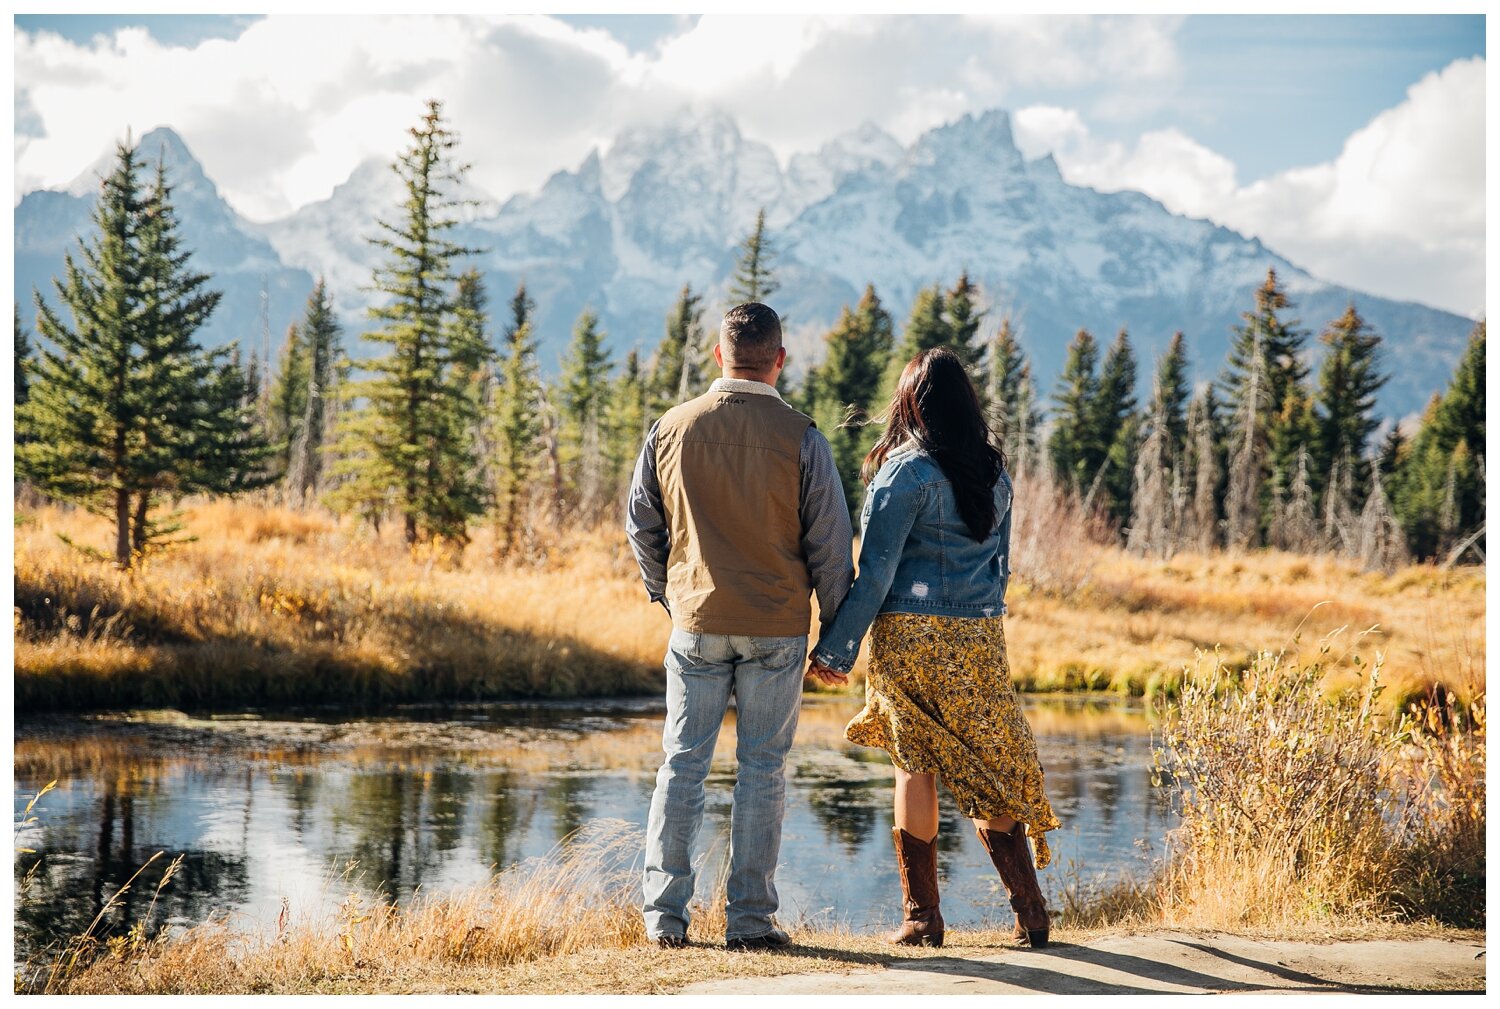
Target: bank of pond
288 812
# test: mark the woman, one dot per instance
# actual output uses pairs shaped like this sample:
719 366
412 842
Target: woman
933 567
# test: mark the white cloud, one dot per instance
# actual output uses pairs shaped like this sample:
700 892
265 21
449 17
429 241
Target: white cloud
285 112
1400 212
282 114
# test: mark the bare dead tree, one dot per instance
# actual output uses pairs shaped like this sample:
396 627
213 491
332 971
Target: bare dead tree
1296 525
1340 526
1201 520
1153 526
1382 543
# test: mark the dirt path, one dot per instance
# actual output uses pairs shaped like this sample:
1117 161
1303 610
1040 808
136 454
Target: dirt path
1164 962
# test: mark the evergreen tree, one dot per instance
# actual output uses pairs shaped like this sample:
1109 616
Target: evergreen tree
1391 455
321 333
23 358
1451 437
1074 444
253 381
678 368
419 414
963 315
1116 426
1294 431
1347 383
926 328
24 365
289 393
583 391
1174 392
1268 347
473 360
843 390
626 424
753 277
1011 400
128 408
518 420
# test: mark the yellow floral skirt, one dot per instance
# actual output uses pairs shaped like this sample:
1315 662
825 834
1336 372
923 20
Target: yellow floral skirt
939 699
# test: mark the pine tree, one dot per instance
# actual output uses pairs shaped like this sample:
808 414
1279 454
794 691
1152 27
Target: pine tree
1268 347
963 316
678 367
753 277
625 425
128 408
1116 425
289 393
1011 400
1294 431
583 391
253 381
418 417
843 390
1452 424
23 358
24 365
1073 444
321 333
1174 392
518 420
1347 383
926 328
473 359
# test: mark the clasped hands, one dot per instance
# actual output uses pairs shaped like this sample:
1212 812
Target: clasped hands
825 675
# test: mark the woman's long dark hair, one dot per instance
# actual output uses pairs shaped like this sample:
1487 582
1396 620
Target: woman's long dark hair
935 405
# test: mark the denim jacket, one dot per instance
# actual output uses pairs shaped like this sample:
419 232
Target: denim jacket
916 555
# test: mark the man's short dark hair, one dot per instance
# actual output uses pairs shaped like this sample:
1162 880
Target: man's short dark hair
751 336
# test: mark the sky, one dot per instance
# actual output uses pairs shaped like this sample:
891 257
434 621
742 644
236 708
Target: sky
1352 144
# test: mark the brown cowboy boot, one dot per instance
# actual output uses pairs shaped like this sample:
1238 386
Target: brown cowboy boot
917 861
1012 857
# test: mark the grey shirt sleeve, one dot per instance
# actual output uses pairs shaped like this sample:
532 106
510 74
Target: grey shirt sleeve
827 537
646 522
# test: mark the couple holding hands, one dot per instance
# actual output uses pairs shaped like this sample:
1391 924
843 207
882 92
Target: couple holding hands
736 516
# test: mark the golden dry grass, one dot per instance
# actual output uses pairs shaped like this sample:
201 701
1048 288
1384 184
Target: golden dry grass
566 924
274 606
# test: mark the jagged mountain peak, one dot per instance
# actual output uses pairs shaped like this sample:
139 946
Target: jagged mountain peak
667 203
162 142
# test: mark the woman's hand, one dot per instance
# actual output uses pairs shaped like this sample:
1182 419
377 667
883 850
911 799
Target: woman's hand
826 676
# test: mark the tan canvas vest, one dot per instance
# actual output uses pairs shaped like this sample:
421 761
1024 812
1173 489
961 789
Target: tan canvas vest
729 466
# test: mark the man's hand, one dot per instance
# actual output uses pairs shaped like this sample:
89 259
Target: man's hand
826 676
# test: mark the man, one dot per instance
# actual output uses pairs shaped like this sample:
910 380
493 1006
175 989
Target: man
736 514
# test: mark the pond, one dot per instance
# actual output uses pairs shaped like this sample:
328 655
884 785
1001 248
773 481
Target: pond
269 806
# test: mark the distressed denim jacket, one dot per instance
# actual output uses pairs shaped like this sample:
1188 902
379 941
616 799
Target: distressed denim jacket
916 555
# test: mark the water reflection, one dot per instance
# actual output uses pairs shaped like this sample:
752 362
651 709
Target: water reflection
281 806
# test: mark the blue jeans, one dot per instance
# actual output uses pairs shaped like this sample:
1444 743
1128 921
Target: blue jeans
765 676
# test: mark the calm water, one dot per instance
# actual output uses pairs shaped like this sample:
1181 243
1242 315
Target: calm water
271 806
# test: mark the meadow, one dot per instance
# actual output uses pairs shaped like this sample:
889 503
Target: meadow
271 606
1322 728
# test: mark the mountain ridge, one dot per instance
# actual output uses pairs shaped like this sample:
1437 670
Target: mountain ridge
667 204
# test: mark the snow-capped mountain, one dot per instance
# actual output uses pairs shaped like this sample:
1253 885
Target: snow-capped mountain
667 205
242 263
